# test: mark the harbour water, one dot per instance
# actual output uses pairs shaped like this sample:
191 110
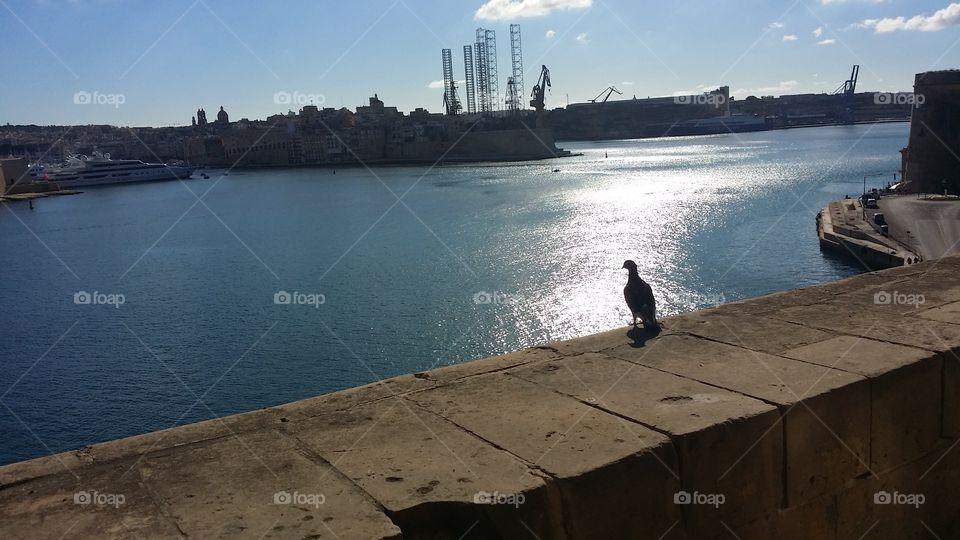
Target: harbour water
389 271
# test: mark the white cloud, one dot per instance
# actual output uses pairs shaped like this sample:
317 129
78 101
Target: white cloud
790 37
499 10
583 39
818 32
627 83
826 42
775 25
438 85
944 18
551 34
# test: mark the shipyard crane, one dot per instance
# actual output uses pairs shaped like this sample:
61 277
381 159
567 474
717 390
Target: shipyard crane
609 91
847 92
540 89
849 87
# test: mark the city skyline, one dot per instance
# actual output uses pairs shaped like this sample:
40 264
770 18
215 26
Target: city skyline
154 65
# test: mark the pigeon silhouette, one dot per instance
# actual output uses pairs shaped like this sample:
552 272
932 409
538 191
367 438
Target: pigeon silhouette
639 297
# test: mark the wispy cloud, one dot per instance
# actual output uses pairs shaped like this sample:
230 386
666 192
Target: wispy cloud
944 18
583 39
551 34
775 25
818 32
790 37
500 10
826 42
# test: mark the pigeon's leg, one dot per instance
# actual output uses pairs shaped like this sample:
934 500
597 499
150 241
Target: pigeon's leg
634 323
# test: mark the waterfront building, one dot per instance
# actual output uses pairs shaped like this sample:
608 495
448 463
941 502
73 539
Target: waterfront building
929 161
13 171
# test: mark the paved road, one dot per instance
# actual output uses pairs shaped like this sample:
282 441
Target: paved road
932 228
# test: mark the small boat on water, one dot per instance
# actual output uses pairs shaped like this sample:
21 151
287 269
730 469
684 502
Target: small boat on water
100 170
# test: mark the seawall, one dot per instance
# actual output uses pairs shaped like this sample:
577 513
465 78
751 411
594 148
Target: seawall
826 412
843 230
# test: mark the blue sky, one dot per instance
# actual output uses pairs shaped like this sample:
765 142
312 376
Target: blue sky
168 57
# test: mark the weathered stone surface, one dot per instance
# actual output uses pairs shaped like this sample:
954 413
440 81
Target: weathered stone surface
878 322
816 519
948 313
819 294
826 411
61 465
259 485
406 384
51 507
752 332
905 387
345 399
917 500
187 434
742 435
589 452
492 364
593 342
427 472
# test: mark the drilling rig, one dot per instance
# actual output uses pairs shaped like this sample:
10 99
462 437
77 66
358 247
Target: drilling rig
450 100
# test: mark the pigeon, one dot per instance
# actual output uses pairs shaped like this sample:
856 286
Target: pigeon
639 297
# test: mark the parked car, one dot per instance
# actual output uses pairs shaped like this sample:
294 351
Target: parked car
872 203
879 219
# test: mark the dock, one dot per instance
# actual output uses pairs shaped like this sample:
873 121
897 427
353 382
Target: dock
844 229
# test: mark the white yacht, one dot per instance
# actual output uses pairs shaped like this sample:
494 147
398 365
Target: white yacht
101 170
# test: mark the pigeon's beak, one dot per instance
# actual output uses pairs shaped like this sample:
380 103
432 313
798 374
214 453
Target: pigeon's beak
624 266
